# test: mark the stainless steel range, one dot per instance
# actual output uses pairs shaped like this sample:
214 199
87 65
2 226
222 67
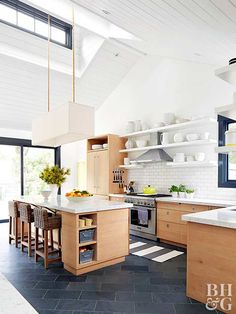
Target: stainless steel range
143 214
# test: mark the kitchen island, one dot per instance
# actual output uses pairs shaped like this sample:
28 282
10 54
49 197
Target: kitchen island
110 231
211 258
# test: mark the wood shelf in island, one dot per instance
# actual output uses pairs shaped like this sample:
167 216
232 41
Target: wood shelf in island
87 243
87 227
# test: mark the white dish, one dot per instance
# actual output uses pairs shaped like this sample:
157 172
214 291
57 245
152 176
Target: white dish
141 143
199 156
97 146
192 137
105 145
178 138
78 199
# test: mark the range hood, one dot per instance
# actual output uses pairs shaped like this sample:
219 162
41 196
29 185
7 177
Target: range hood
155 155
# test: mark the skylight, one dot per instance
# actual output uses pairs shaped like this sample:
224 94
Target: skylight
29 19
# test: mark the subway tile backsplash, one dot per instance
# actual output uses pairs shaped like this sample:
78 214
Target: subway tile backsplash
203 180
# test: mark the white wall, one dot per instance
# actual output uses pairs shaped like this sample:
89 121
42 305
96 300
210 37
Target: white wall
158 85
155 86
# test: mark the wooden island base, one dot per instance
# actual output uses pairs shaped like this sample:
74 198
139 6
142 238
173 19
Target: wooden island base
93 266
211 259
110 243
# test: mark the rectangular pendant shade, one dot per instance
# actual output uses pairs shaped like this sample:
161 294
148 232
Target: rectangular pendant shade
65 124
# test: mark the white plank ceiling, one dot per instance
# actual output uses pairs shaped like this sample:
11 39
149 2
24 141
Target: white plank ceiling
194 30
198 30
23 79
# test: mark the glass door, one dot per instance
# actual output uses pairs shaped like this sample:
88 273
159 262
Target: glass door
35 159
10 176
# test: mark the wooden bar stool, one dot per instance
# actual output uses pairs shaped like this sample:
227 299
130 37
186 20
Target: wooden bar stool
14 215
26 217
47 222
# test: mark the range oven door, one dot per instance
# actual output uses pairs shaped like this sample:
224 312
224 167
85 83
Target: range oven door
143 219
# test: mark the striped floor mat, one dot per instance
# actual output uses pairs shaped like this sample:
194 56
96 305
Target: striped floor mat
153 252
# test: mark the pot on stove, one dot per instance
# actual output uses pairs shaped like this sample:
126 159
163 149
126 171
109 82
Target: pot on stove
149 190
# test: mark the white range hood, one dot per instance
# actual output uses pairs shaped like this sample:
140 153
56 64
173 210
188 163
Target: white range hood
65 124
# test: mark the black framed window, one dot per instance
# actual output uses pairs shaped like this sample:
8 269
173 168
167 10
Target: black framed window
226 163
34 21
25 147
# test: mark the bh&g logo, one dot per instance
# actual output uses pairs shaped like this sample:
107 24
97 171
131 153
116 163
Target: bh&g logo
219 295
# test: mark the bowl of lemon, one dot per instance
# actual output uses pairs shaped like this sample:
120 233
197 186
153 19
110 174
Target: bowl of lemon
78 196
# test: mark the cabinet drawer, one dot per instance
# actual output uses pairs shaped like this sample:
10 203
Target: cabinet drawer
168 231
170 215
183 207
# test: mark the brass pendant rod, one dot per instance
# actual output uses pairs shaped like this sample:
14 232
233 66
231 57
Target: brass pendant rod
49 64
73 55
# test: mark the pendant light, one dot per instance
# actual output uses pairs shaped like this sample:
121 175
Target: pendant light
66 123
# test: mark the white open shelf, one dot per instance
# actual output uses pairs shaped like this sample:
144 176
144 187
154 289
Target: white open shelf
131 166
225 149
227 73
228 111
191 164
173 127
182 144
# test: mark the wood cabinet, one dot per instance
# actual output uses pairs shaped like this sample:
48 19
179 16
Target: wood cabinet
113 234
170 226
211 260
98 172
103 165
110 243
116 199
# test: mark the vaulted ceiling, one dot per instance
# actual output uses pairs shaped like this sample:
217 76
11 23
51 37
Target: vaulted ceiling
195 30
198 30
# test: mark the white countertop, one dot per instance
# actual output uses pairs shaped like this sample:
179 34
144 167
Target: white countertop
197 201
211 217
62 204
117 195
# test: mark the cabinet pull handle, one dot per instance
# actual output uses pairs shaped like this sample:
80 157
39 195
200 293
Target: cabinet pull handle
193 208
167 225
167 213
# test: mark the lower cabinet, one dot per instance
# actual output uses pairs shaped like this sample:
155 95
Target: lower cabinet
169 231
113 234
170 226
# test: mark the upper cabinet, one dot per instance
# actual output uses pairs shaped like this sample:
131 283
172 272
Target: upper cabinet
103 159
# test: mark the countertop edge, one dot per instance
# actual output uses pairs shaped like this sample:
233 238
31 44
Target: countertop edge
212 220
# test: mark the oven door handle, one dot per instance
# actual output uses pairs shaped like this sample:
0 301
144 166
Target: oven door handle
141 207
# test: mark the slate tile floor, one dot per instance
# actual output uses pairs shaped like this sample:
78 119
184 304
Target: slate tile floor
136 286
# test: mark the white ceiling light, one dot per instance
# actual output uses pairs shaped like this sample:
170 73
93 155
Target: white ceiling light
67 123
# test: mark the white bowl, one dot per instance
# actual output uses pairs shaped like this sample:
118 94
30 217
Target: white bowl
199 156
97 146
141 143
105 145
192 137
46 193
78 199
